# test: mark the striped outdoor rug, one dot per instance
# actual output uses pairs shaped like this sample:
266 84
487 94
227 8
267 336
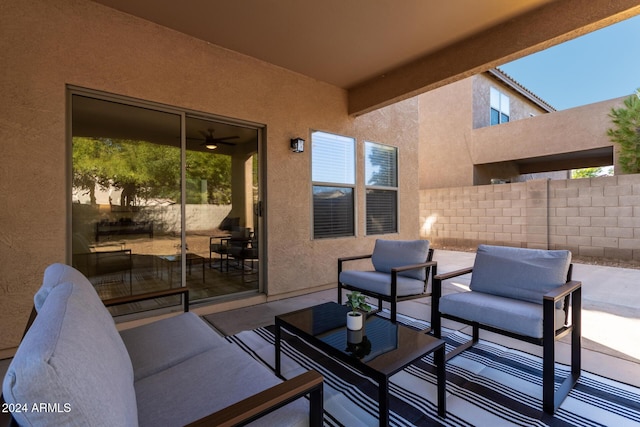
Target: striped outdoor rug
488 385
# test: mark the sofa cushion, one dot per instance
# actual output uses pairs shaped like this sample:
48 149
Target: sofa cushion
380 283
73 356
54 275
207 383
388 254
513 315
167 342
524 274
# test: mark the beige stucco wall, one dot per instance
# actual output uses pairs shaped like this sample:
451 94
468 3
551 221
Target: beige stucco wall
450 147
519 106
445 136
47 45
580 128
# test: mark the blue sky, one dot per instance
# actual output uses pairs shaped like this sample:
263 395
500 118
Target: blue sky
598 66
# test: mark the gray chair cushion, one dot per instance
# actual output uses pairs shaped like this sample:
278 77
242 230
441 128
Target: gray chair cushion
524 274
196 390
520 317
73 354
388 254
167 342
380 283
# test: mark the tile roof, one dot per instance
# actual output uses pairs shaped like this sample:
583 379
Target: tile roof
511 82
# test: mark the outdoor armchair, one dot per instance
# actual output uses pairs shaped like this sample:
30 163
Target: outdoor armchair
401 271
525 294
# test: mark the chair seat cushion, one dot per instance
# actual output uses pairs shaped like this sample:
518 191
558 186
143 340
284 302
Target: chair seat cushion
525 274
167 342
207 383
380 283
508 314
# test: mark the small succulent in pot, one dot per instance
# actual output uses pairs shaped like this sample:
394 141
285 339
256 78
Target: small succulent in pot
358 302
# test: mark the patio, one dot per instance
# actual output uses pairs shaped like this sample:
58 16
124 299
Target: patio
611 325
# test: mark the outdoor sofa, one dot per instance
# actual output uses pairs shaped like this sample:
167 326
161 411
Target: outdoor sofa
170 372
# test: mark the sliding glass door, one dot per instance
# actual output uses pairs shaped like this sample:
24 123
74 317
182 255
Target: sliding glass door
162 198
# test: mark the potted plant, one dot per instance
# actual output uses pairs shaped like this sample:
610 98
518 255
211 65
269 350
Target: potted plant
358 303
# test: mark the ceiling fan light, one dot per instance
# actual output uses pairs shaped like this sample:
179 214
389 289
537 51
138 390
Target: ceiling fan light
211 146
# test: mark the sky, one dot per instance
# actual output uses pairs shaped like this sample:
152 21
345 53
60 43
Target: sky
598 66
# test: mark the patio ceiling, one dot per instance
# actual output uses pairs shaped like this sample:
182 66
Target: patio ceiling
382 51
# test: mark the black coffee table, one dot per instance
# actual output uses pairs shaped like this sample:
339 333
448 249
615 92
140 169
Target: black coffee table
392 346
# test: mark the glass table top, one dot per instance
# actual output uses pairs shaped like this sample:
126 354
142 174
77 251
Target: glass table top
380 344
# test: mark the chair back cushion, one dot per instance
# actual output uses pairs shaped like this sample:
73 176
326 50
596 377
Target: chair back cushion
520 273
388 254
73 359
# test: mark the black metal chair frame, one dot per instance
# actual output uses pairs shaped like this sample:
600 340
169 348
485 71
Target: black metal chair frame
571 292
393 299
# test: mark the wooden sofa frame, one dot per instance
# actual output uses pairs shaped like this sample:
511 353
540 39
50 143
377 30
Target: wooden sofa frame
310 383
570 291
393 299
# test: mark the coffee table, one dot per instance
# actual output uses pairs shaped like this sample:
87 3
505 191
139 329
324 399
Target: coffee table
393 346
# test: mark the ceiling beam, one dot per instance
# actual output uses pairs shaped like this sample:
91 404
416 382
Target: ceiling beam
539 29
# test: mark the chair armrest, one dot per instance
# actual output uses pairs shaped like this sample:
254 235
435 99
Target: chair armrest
104 253
353 258
414 266
451 274
269 400
562 291
149 295
350 258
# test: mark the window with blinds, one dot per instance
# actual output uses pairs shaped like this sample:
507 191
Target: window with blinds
333 175
381 172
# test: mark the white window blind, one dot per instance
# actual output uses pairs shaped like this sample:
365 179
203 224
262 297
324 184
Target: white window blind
333 175
381 171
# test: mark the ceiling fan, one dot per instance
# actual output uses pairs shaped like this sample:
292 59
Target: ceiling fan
211 143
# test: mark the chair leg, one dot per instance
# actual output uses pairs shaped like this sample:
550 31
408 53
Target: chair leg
339 293
551 398
548 375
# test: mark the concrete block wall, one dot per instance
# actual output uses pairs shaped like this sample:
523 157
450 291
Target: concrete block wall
596 217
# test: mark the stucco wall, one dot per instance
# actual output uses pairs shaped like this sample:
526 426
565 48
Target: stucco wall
450 147
597 217
519 106
580 128
49 45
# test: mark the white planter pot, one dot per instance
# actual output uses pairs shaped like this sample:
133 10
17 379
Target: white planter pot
354 320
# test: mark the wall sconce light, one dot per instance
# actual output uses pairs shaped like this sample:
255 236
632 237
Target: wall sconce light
297 145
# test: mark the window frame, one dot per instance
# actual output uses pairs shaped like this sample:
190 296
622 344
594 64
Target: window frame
382 188
503 106
351 163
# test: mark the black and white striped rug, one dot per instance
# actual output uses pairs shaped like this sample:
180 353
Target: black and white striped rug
488 385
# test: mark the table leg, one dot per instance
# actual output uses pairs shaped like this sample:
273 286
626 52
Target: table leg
440 360
383 401
277 337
